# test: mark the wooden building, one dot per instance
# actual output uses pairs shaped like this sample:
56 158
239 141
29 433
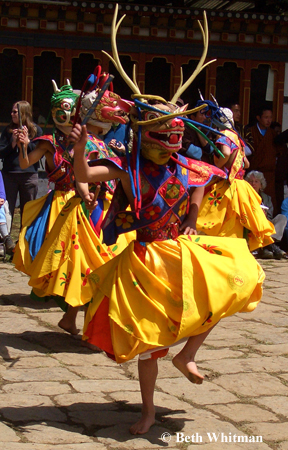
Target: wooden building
44 40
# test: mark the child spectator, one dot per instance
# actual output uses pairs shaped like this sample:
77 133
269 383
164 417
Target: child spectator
7 240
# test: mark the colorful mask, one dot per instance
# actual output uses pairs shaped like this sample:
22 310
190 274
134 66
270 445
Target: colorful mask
159 139
157 127
63 106
111 108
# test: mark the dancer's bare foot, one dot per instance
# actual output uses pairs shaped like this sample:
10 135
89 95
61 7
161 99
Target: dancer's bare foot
143 425
67 326
188 368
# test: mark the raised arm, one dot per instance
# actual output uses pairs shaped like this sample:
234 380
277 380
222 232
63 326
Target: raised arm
33 157
83 172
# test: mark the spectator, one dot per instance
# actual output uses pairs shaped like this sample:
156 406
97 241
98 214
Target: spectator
7 240
16 180
244 132
265 150
118 137
258 182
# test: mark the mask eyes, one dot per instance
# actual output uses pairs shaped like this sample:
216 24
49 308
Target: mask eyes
65 105
149 115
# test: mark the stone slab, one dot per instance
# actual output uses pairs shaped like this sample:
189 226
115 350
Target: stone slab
7 434
252 384
44 433
276 403
52 374
49 388
205 394
243 412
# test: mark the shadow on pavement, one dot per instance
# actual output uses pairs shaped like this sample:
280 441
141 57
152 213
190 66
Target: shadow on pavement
24 300
98 420
41 342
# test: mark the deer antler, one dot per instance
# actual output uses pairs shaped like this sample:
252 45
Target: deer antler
200 65
116 60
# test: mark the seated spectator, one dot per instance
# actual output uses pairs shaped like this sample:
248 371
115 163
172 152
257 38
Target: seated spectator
258 182
7 240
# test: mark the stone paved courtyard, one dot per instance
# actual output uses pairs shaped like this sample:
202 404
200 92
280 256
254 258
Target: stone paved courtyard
56 394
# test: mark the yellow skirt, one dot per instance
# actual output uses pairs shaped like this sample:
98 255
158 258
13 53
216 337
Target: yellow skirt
234 211
151 297
22 257
69 254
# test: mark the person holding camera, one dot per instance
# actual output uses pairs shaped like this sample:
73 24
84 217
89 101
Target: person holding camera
17 180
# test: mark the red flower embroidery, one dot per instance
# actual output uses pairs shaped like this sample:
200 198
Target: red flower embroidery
66 280
151 169
85 279
211 249
215 199
152 212
62 243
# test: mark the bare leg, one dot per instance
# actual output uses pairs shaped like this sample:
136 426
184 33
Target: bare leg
68 321
148 371
184 360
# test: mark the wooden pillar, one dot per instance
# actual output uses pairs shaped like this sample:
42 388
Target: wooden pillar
140 72
28 73
104 61
175 75
211 80
67 66
279 92
246 89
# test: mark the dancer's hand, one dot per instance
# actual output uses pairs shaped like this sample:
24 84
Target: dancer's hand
188 227
116 145
78 137
91 199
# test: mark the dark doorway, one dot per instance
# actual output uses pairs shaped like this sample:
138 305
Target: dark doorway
191 94
10 82
228 84
47 67
157 78
120 86
82 67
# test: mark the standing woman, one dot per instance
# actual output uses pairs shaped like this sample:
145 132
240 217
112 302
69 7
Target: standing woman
24 181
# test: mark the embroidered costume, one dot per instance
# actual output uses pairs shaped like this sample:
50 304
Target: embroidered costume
74 248
165 287
39 215
231 207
